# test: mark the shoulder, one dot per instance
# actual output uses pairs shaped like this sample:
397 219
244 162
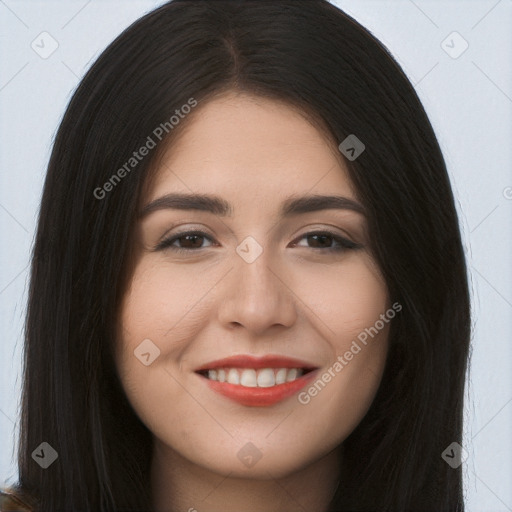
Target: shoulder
10 501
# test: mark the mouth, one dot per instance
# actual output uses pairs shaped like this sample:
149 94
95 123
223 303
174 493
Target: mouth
252 378
257 382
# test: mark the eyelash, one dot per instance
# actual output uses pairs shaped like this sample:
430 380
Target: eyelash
344 243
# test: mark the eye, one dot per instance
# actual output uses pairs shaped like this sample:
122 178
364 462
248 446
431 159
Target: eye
321 240
191 240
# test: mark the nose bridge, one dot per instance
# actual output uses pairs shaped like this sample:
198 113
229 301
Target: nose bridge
257 296
257 277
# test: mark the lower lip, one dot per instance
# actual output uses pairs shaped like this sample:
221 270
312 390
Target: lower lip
260 397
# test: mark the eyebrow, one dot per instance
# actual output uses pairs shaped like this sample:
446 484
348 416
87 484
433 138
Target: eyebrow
214 204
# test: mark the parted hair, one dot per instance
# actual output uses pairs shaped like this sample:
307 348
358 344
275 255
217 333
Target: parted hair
317 58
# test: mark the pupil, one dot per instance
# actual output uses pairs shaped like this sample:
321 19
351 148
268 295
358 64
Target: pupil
321 237
193 236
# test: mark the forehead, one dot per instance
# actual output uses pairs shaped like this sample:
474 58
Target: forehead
251 148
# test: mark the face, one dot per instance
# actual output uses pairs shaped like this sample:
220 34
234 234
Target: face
272 297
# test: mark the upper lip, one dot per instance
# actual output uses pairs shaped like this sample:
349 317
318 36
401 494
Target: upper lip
248 361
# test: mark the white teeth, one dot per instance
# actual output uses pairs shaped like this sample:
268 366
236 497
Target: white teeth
233 376
281 375
266 378
292 375
249 377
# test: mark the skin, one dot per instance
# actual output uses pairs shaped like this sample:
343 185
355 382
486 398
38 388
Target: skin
296 299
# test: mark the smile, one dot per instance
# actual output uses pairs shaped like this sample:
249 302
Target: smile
251 378
254 382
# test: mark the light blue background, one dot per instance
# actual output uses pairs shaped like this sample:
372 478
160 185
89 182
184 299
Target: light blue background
468 99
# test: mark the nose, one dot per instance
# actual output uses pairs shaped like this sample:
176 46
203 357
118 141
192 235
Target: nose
257 295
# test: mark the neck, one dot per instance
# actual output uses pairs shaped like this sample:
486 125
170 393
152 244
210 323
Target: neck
180 485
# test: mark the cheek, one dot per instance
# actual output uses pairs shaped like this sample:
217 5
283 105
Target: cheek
351 304
169 308
347 298
164 304
148 311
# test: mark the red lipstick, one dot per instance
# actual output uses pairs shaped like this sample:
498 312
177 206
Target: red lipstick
254 396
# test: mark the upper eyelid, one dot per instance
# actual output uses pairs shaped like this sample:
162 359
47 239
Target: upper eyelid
309 230
332 224
200 227
202 232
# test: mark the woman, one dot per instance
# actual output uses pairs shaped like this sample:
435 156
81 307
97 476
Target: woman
263 370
